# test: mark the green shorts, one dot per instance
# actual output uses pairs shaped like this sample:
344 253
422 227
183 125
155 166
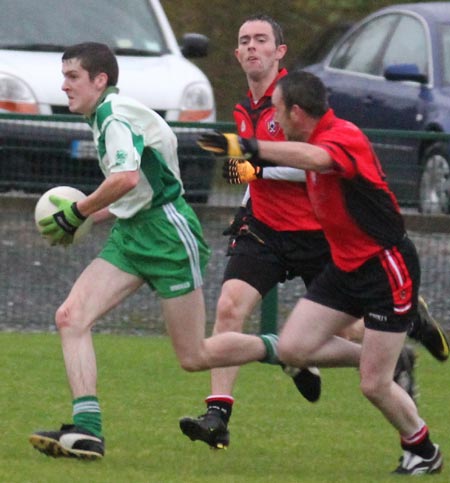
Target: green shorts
164 246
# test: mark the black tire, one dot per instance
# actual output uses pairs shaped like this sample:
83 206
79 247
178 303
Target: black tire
434 184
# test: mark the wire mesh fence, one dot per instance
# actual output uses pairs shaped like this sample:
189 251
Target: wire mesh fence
35 278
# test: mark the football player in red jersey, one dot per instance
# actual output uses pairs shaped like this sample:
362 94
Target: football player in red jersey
374 272
275 238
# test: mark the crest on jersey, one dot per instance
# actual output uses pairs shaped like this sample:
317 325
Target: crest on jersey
272 126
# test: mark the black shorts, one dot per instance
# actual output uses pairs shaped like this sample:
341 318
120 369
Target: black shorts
383 290
263 257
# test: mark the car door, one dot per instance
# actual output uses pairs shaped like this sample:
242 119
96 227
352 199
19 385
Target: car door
399 105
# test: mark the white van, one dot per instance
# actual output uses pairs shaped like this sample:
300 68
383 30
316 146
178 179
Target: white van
153 68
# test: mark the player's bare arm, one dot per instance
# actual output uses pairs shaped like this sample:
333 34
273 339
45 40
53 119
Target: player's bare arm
113 188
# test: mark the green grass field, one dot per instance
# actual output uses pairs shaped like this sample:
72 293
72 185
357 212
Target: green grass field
276 435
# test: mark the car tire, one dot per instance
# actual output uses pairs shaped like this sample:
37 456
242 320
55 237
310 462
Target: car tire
434 184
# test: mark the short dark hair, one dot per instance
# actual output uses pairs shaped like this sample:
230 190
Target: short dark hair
95 58
305 90
276 27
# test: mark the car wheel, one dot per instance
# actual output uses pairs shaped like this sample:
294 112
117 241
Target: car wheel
434 187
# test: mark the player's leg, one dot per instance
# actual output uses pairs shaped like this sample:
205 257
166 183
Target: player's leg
404 370
307 337
251 272
305 254
254 269
100 287
236 302
185 317
390 304
379 358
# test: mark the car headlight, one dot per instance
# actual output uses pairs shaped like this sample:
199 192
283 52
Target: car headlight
16 96
197 103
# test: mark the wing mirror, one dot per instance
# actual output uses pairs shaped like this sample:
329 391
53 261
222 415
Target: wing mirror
405 72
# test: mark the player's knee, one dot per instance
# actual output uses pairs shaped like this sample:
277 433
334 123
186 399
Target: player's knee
66 318
374 388
62 317
291 354
192 362
200 357
229 315
189 365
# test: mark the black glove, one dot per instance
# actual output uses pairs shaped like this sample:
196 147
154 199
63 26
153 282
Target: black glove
237 223
228 144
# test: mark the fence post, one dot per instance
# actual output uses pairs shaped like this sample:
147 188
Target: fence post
269 312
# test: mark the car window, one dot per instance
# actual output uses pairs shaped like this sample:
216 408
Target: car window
408 45
361 51
110 21
445 35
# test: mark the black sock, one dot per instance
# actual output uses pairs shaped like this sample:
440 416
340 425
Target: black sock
223 405
419 444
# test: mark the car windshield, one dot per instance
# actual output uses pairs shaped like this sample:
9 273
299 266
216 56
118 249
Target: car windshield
445 35
127 26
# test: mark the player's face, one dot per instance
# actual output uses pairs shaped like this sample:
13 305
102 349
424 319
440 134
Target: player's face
256 52
82 92
282 114
292 121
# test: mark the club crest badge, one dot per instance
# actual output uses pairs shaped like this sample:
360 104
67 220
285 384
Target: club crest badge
272 127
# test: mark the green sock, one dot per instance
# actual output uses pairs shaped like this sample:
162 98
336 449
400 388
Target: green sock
270 341
87 415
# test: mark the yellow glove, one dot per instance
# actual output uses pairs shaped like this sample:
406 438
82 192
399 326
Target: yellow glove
237 171
228 144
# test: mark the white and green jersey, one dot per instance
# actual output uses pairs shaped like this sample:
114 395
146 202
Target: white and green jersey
129 136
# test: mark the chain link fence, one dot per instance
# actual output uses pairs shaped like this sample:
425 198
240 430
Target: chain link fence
35 278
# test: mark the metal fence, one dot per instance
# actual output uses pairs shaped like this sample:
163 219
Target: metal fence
34 278
39 152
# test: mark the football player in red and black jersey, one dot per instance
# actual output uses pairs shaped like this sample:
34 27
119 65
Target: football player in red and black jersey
276 235
374 272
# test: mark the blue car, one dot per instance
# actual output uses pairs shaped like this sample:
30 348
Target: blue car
392 71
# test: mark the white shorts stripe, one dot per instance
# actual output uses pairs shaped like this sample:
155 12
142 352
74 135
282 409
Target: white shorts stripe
188 239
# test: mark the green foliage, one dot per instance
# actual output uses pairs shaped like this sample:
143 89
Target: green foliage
220 20
276 435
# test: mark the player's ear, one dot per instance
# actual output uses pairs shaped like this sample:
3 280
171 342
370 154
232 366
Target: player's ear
236 54
296 112
101 80
281 51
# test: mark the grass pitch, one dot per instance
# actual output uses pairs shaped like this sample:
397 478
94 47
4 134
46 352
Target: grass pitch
276 435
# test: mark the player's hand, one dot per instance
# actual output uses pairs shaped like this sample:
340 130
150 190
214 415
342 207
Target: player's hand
62 225
228 144
238 222
237 171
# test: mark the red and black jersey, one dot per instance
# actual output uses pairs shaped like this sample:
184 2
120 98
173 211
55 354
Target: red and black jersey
358 212
282 205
